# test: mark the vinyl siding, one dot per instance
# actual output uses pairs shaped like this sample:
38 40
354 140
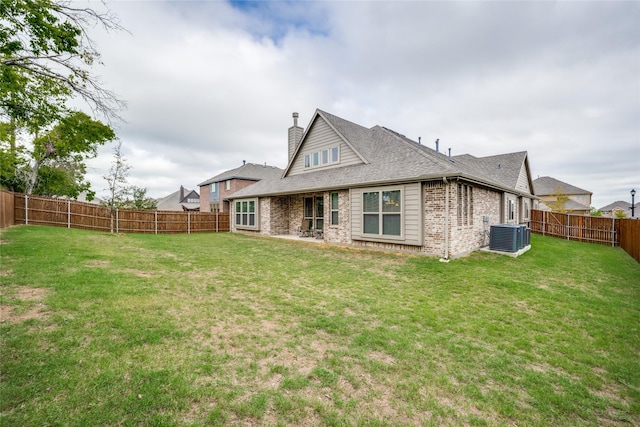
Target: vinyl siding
523 180
411 215
322 136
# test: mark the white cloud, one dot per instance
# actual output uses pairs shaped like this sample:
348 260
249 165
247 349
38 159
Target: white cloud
210 85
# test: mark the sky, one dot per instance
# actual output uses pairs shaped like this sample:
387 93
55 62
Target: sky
210 84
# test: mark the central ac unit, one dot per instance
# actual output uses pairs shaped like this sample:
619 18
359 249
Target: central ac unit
505 238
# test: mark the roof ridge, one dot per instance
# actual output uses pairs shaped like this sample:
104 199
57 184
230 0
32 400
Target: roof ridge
419 148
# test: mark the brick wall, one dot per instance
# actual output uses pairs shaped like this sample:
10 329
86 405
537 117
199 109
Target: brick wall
284 214
205 202
340 233
475 234
235 185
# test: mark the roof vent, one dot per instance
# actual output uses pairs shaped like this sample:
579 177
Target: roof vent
438 145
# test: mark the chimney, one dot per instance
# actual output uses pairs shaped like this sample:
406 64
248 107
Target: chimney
181 193
438 145
295 135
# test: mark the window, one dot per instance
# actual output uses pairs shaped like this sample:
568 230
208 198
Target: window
382 213
323 157
512 210
319 213
526 209
334 208
246 214
465 204
215 195
314 212
228 185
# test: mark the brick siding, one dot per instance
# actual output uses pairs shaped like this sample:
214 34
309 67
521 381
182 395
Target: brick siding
284 214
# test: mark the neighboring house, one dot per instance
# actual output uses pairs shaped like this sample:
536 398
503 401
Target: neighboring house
619 206
375 188
215 191
548 189
181 200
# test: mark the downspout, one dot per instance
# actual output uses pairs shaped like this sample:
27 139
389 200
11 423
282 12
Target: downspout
446 220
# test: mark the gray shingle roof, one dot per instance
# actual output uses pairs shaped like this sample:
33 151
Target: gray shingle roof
504 168
248 171
389 158
618 205
547 186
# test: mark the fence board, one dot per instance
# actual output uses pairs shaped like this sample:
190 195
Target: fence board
6 209
40 210
630 237
605 231
623 232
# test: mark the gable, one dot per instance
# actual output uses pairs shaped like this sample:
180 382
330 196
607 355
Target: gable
317 150
524 179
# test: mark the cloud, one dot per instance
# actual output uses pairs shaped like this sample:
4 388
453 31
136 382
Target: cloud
210 84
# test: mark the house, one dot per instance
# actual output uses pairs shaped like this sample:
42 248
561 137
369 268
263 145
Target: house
181 200
576 201
620 206
215 191
376 188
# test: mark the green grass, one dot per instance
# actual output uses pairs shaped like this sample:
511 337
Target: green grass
227 329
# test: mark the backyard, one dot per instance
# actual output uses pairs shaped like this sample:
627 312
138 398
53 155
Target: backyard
228 329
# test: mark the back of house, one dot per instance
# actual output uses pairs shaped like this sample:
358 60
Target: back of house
376 188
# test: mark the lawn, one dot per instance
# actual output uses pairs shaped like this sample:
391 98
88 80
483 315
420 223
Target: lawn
227 329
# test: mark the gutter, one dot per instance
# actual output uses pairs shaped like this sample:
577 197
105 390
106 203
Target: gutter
423 178
446 220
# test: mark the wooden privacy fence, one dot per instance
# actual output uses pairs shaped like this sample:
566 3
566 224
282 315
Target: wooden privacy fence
623 232
39 210
582 228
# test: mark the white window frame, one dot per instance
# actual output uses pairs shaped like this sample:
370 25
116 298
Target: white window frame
382 214
334 210
511 210
322 157
243 218
227 185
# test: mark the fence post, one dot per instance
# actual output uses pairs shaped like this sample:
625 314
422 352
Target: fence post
613 231
216 221
26 209
568 227
68 213
117 225
188 222
156 222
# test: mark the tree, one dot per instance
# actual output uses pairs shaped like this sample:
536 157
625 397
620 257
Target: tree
619 213
558 205
140 200
595 212
46 56
117 179
59 155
